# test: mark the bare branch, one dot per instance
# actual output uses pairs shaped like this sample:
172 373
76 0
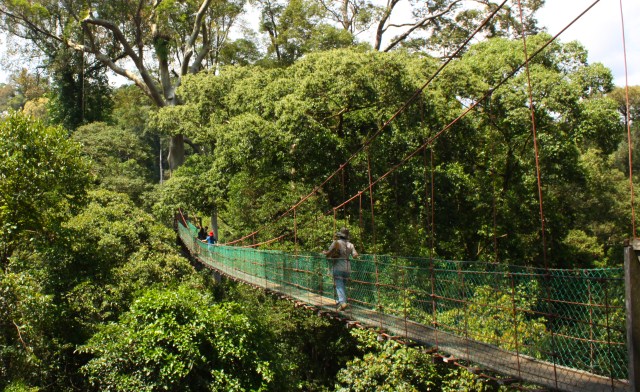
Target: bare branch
419 24
197 24
151 88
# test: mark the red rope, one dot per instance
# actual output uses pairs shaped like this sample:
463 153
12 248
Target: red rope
540 200
373 230
628 123
535 138
265 242
295 232
433 208
183 218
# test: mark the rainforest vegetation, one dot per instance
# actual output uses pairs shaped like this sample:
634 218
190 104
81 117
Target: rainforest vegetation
95 292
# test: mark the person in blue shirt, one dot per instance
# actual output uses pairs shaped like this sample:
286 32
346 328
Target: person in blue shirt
211 238
338 253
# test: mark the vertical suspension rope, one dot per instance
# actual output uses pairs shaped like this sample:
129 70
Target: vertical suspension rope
495 219
295 232
361 223
493 188
535 138
628 123
82 99
335 221
540 200
515 317
344 207
427 199
373 232
433 208
430 213
607 310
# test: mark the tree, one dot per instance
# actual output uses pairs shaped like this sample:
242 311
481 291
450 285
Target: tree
442 24
169 33
295 27
43 178
389 366
26 314
80 91
22 87
121 160
619 94
181 340
7 93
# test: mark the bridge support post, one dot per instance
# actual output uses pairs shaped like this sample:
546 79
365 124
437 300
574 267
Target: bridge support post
632 301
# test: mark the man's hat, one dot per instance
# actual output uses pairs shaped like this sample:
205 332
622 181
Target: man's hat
343 233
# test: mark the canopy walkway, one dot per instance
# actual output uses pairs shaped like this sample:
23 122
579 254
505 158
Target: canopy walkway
561 329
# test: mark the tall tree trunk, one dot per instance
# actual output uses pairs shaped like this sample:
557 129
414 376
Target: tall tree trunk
214 222
160 161
176 152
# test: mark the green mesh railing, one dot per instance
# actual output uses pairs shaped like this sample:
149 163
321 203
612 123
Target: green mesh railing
568 318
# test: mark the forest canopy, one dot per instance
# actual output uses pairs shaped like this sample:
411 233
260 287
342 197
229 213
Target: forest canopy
280 137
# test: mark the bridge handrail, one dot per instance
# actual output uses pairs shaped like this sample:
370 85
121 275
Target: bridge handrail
567 318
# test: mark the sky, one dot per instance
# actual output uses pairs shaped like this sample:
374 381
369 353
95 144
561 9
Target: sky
599 30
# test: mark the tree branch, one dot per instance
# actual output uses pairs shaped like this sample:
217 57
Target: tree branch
197 24
418 25
151 89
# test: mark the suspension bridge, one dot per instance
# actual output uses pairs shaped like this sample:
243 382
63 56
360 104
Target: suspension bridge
563 329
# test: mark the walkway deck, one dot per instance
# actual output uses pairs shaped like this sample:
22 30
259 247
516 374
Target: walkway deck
487 356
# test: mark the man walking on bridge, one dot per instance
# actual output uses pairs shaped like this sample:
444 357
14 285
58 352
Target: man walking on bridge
338 253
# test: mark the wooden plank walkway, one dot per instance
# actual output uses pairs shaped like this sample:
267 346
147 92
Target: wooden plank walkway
487 356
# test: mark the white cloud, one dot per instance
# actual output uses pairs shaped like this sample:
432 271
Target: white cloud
600 31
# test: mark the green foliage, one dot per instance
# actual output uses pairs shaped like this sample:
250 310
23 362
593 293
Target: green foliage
310 349
192 187
80 91
42 180
120 158
389 367
180 340
27 318
110 234
19 386
460 379
502 317
22 88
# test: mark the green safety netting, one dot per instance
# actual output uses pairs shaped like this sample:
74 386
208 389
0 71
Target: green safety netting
570 318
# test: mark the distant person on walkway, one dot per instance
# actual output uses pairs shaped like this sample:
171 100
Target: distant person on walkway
211 238
202 233
338 254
